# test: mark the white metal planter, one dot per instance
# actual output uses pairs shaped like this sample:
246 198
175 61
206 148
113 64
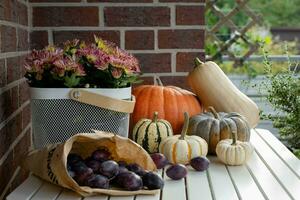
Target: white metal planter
59 113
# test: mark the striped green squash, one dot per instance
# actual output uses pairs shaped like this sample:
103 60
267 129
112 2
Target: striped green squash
149 133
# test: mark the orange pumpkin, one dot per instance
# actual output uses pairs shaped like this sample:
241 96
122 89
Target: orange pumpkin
169 101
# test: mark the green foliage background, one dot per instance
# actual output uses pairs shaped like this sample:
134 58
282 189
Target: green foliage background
278 13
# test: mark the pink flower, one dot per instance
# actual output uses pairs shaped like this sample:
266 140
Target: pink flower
126 61
60 67
116 72
95 56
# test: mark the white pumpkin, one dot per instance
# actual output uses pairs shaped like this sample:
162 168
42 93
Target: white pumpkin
234 152
182 148
149 133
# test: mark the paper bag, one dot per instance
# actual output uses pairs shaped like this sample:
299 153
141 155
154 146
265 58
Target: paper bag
50 163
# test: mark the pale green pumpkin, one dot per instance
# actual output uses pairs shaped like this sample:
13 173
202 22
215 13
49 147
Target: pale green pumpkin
149 133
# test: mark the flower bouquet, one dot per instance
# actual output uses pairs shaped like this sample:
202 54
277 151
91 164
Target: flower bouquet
98 65
80 87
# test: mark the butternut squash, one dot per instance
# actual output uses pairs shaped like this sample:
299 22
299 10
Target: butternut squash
214 88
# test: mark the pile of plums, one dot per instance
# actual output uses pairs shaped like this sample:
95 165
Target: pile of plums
100 171
179 171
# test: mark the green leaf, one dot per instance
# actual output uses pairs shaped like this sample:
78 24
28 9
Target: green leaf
71 81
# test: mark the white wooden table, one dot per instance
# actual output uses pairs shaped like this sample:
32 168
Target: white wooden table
273 172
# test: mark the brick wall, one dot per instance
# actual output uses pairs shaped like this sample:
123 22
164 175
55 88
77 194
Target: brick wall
165 35
14 100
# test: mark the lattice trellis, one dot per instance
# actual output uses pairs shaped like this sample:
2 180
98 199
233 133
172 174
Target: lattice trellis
236 32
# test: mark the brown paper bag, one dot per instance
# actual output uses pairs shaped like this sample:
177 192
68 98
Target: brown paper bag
50 163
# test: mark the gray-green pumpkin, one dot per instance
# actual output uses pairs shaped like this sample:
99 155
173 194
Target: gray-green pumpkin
214 127
149 133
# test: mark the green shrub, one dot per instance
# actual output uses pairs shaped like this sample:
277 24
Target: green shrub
283 93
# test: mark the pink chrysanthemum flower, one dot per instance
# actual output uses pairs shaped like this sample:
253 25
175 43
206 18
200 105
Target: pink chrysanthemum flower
39 61
126 61
95 56
60 67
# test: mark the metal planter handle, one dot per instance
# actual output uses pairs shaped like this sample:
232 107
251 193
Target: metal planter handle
102 101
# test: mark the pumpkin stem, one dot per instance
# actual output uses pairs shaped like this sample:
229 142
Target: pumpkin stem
157 81
234 137
155 115
214 112
185 126
198 62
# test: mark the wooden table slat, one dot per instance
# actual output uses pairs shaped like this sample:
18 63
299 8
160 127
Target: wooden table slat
278 168
244 183
222 186
68 195
197 185
121 198
272 172
48 191
98 197
25 191
269 184
289 158
173 189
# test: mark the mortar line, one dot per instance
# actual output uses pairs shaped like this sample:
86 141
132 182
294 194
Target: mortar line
15 25
122 39
173 62
13 54
165 74
155 40
109 4
173 16
50 37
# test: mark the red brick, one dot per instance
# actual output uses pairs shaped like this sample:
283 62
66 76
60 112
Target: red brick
22 13
8 103
14 126
123 1
15 98
88 36
151 63
9 133
2 73
14 11
179 81
146 81
26 116
186 1
190 15
21 149
24 93
137 16
180 39
65 16
23 40
13 69
20 177
62 1
14 159
8 10
5 101
139 40
38 39
8 39
6 172
21 63
185 60
5 141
